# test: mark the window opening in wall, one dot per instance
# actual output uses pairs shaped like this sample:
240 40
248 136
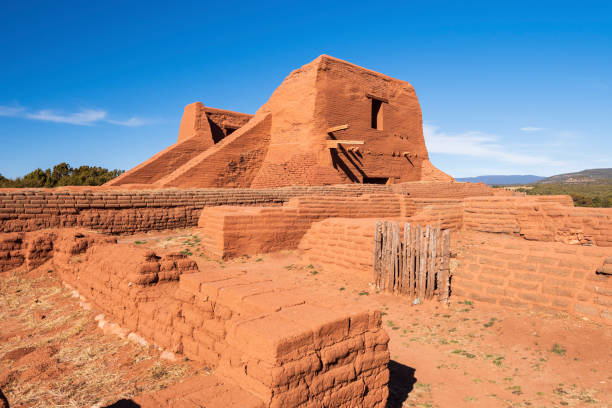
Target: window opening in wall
377 114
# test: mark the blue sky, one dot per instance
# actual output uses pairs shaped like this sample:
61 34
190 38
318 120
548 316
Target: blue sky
505 87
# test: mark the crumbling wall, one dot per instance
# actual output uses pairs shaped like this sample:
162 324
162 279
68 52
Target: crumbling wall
11 254
201 128
28 250
286 142
540 218
540 276
233 162
281 343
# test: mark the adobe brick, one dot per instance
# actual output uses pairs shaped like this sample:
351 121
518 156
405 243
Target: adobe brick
522 266
603 301
530 277
481 298
533 297
497 291
542 260
555 271
523 285
467 285
491 280
513 303
586 309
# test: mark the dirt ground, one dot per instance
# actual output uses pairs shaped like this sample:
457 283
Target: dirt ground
52 353
464 354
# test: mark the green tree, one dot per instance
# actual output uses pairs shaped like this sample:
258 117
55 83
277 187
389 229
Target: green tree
62 175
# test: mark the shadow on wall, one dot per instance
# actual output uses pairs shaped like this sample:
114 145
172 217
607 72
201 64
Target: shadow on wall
401 383
3 401
124 403
217 132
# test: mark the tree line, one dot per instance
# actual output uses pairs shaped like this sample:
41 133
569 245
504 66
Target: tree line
62 175
583 194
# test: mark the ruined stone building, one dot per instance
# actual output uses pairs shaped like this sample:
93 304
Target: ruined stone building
329 122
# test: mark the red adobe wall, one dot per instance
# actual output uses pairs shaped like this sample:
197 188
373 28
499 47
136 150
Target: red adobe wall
233 162
329 92
541 276
541 218
448 212
30 250
236 231
11 254
341 244
283 344
286 142
120 211
498 269
436 189
201 128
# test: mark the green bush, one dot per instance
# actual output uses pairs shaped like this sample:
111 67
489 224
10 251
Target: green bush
62 175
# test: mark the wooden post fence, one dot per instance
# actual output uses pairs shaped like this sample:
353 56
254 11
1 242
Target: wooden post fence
417 266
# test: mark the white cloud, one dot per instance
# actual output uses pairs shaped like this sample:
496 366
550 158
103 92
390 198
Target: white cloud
85 117
131 122
532 129
480 145
10 110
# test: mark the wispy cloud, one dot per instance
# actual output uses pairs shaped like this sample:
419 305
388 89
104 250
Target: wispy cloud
532 129
84 117
131 122
10 110
480 145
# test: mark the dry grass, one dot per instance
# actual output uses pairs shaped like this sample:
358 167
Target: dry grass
85 367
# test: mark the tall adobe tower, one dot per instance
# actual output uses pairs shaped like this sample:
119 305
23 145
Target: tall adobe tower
329 122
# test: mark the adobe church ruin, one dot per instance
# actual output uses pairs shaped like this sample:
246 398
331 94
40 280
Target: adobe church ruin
337 150
329 122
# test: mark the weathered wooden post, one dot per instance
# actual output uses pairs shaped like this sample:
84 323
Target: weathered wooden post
377 265
444 285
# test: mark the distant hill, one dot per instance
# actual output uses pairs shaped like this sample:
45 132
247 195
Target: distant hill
502 180
591 176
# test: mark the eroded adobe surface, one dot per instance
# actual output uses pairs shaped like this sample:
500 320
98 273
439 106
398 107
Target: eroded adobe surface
277 344
329 122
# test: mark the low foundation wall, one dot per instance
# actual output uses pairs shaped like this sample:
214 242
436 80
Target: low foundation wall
281 343
341 244
540 218
120 211
542 276
235 231
30 250
449 213
434 189
129 211
11 254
